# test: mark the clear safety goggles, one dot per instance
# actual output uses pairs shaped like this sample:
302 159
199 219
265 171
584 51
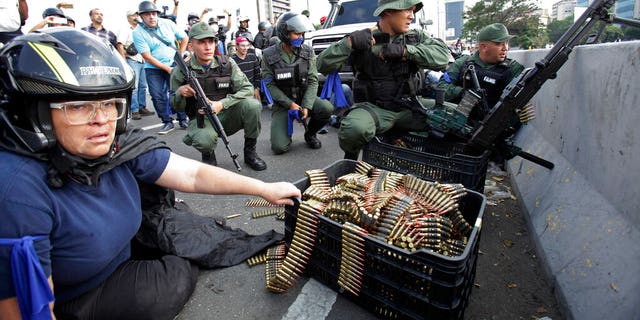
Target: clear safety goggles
83 112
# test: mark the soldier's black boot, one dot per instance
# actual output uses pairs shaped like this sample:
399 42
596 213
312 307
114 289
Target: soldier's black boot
209 158
251 157
310 135
351 155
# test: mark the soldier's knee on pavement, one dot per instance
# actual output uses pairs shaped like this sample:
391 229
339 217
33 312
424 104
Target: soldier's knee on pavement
279 149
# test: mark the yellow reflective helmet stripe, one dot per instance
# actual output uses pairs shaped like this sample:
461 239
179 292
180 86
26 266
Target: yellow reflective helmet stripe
55 62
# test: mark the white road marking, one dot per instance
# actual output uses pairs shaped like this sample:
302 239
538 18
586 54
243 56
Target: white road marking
313 303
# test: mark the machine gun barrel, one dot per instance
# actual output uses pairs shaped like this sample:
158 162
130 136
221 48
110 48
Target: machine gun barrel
201 101
524 87
629 22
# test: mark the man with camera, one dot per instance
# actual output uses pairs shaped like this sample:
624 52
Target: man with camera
155 38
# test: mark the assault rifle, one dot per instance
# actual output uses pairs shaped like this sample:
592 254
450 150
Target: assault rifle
202 103
481 92
522 88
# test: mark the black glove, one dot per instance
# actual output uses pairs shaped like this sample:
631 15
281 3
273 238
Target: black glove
361 39
392 52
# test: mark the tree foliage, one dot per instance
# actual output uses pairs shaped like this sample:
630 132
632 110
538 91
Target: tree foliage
557 28
610 33
519 16
630 33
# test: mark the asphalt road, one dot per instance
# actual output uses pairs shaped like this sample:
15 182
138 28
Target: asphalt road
509 283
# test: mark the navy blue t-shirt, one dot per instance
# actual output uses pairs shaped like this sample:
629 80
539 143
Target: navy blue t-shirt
88 229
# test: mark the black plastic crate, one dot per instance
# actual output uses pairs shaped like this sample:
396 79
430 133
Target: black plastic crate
430 159
396 283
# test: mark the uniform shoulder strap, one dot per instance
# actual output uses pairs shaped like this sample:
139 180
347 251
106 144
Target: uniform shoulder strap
271 55
412 37
306 52
506 63
223 62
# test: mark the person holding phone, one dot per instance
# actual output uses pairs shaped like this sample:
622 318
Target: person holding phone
51 17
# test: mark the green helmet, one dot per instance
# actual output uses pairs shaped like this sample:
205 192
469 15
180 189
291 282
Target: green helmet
397 5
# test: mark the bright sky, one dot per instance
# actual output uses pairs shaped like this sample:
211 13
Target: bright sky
545 4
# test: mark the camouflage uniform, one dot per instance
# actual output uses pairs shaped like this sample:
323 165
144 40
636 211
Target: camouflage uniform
375 110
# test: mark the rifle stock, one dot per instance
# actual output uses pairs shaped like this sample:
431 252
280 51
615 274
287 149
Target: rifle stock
201 101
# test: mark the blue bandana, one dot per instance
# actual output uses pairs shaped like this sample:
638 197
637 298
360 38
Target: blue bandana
297 43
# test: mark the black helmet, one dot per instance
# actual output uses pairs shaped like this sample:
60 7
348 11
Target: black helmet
292 22
56 64
147 6
52 12
264 25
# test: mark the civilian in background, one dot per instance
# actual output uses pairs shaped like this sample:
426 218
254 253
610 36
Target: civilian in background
221 31
14 13
128 51
220 48
248 63
243 29
98 29
155 39
51 17
261 41
70 22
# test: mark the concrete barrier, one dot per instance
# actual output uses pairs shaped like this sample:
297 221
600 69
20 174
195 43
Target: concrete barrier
584 214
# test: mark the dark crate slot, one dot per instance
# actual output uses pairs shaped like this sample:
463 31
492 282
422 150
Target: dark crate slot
430 159
396 283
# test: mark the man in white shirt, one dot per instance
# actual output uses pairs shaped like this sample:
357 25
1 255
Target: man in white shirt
14 13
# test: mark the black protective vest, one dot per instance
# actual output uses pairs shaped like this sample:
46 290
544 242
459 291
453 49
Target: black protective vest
290 78
492 80
215 82
384 83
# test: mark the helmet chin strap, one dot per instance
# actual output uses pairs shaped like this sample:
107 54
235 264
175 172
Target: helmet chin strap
64 164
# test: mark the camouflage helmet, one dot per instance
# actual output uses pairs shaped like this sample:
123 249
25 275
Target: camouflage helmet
397 5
